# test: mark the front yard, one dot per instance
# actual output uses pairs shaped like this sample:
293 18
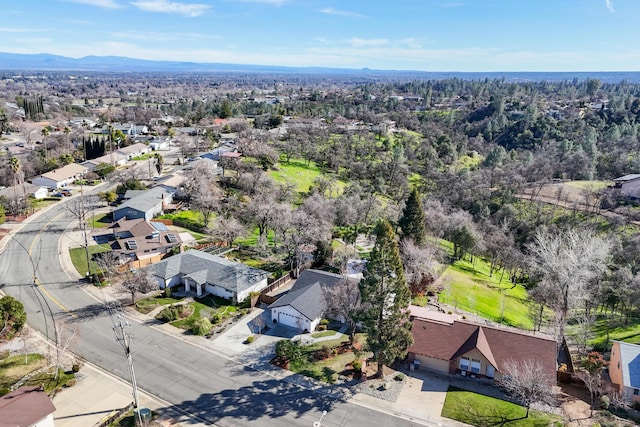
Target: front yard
484 411
14 368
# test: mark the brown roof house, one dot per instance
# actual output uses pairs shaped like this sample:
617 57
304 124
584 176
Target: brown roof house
458 347
143 242
26 407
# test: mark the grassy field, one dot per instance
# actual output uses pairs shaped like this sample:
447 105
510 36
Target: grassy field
100 220
297 172
187 217
479 410
13 368
79 257
470 288
618 330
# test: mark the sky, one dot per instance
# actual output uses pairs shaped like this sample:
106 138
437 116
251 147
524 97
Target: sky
422 35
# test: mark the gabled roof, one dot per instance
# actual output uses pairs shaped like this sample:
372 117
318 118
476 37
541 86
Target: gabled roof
310 277
308 301
229 275
629 177
630 364
448 341
25 407
147 200
20 189
133 149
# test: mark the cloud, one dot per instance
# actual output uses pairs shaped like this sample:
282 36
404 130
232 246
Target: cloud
357 42
162 36
165 6
106 4
609 4
332 11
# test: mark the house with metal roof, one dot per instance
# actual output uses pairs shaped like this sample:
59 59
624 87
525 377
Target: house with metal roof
628 185
145 205
624 370
205 273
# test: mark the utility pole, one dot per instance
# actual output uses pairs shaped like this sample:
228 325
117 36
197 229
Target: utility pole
122 330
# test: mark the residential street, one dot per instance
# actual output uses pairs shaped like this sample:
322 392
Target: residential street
195 380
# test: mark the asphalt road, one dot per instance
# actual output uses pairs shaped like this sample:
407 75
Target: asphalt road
192 379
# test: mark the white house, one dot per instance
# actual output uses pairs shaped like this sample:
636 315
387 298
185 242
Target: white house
114 159
28 406
61 177
205 273
145 204
628 185
134 150
20 190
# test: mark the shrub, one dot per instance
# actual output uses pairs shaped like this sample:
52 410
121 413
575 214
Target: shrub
216 318
250 339
605 401
169 314
399 377
322 327
324 322
70 383
201 326
324 353
167 292
357 365
288 350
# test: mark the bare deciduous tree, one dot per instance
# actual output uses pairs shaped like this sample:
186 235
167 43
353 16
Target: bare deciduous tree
343 300
65 333
420 265
566 262
228 229
528 382
137 282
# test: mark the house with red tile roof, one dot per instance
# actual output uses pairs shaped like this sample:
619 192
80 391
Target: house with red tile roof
468 349
27 406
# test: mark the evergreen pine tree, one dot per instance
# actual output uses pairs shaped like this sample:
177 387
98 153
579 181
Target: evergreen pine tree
412 221
385 300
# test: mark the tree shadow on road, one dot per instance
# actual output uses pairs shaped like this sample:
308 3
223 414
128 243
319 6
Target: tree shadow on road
264 400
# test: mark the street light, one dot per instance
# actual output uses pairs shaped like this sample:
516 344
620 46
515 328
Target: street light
319 422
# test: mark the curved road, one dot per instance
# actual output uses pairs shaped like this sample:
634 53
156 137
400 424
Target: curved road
193 380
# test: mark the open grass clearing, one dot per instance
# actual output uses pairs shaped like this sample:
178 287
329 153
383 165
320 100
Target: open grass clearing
79 258
100 221
484 411
301 176
617 329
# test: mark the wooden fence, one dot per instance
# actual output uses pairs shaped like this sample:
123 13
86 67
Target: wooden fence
114 415
277 283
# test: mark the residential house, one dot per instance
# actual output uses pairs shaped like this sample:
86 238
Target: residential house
28 406
141 242
114 159
628 185
160 143
147 204
128 129
304 305
61 177
26 189
458 347
205 273
624 370
134 150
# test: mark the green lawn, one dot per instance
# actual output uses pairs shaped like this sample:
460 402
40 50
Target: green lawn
618 330
300 175
206 307
483 411
147 305
187 217
324 370
470 288
79 257
13 368
100 220
252 239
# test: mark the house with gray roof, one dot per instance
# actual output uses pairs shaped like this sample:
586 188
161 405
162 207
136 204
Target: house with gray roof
624 370
304 305
145 205
628 185
209 274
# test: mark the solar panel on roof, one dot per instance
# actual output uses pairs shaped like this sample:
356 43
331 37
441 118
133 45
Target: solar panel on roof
171 238
132 245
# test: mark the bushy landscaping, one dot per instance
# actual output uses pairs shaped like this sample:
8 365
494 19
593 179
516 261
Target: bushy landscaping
483 411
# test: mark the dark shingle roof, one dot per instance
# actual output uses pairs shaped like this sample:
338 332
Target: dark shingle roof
446 341
206 268
309 301
25 406
310 277
148 200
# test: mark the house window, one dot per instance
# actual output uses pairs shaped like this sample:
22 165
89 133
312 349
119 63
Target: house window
464 364
475 366
636 391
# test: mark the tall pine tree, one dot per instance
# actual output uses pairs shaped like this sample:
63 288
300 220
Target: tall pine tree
412 222
385 300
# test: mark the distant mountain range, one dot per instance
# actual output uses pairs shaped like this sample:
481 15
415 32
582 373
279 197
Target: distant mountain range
48 62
